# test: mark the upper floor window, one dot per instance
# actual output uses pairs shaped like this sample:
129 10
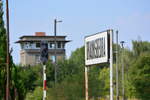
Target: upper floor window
52 45
58 44
31 45
37 45
26 45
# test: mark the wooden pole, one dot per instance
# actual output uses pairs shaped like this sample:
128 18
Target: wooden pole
86 83
8 56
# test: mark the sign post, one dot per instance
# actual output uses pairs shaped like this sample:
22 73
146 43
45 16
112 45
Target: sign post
86 83
99 49
117 52
111 64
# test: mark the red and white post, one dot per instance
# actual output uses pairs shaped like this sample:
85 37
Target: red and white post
44 82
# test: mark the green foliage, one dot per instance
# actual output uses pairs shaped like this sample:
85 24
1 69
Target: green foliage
104 82
70 88
37 94
50 74
78 57
2 54
140 76
24 80
140 47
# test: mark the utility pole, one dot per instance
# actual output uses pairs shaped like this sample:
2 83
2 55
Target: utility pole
123 93
55 41
8 54
117 83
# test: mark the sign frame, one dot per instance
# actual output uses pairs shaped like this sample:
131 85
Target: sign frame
97 36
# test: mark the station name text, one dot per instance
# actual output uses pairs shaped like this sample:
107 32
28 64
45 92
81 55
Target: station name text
96 48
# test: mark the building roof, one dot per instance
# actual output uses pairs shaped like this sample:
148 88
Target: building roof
41 36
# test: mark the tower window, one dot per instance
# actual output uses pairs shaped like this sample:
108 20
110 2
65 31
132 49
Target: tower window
37 45
59 45
52 45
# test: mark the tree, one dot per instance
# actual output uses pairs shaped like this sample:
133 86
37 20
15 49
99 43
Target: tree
140 47
24 80
104 82
2 54
140 76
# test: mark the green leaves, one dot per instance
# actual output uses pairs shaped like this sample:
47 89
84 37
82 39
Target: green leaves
2 54
37 94
104 81
140 76
140 47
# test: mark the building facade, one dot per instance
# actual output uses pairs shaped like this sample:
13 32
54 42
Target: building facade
30 48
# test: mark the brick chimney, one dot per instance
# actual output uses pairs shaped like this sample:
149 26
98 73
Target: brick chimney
40 34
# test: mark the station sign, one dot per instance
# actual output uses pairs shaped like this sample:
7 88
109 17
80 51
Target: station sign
96 48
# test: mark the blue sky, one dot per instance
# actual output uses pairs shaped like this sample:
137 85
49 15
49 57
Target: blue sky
80 18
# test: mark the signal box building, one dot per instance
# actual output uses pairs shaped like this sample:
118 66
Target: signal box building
30 48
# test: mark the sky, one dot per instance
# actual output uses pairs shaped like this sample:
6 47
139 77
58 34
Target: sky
80 18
